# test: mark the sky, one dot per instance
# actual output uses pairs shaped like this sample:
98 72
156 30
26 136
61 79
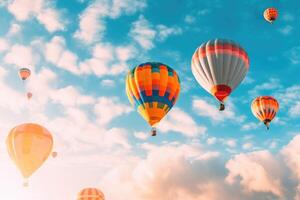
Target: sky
79 52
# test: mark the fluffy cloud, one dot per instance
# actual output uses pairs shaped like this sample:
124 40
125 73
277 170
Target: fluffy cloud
294 55
287 30
4 45
144 33
19 51
42 10
108 108
92 20
257 172
179 121
105 59
204 108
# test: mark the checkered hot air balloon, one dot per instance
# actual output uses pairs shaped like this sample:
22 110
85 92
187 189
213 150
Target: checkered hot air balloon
219 66
90 194
271 14
265 109
153 88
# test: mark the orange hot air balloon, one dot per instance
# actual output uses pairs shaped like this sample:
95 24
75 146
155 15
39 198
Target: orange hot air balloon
90 194
24 73
29 146
271 14
153 88
265 108
29 95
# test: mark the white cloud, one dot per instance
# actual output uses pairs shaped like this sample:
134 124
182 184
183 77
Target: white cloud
230 142
211 140
294 111
205 109
179 121
257 172
294 55
271 84
106 109
42 10
144 33
247 146
189 19
164 31
141 135
287 30
69 96
92 20
57 54
19 51
107 83
4 45
292 156
250 126
14 29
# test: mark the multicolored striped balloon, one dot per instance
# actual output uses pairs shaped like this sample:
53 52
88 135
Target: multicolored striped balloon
271 14
265 108
219 66
90 194
153 88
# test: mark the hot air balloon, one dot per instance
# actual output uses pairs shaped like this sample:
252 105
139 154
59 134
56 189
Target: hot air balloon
90 194
153 88
29 145
219 66
265 108
24 73
271 14
29 95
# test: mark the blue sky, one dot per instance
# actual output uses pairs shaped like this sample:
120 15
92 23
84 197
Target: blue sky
79 52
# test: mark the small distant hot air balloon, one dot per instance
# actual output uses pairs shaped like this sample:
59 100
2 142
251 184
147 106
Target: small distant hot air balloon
265 108
29 95
90 194
153 88
219 66
29 146
24 73
271 14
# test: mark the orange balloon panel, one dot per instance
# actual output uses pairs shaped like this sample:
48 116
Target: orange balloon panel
29 145
90 194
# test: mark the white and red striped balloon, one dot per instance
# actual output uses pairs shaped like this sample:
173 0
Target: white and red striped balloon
219 66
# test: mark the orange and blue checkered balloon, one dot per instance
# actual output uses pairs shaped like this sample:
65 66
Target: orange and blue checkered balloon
153 88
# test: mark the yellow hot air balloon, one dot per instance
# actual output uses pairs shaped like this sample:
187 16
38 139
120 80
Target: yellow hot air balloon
90 194
29 146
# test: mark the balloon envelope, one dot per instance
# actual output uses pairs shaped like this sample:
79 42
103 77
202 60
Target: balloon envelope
153 88
271 14
24 73
265 108
219 66
29 145
90 194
